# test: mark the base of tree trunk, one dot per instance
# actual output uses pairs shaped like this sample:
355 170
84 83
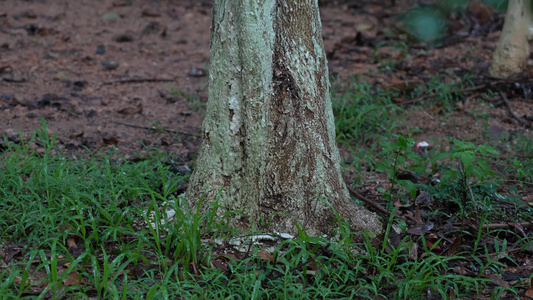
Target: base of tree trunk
269 148
511 54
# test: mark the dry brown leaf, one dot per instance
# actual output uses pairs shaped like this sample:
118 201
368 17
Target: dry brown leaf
110 141
432 246
529 293
413 252
421 229
460 270
264 255
497 280
130 110
403 85
125 272
71 242
312 265
398 203
519 227
18 280
418 219
456 243
72 279
220 264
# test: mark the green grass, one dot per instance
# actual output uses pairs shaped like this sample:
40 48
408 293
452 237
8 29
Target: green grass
363 113
97 226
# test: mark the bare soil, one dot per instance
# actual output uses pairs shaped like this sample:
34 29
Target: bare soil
132 74
104 73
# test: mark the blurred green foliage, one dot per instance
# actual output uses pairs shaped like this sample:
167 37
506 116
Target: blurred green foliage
428 23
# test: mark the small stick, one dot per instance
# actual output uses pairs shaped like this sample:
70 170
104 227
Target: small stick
155 128
431 93
512 112
139 80
499 225
496 253
375 205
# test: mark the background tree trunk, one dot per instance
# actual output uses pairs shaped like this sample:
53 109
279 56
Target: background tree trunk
512 52
269 138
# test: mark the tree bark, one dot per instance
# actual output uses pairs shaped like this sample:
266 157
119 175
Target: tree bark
269 146
512 52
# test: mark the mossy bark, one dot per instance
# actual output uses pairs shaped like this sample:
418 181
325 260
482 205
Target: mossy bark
511 54
269 146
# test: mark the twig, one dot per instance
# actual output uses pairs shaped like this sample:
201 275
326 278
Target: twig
496 226
375 205
512 112
431 93
139 80
155 128
496 253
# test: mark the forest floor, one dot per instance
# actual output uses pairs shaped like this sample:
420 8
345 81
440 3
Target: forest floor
132 75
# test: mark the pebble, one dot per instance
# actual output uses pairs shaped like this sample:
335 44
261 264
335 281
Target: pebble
110 64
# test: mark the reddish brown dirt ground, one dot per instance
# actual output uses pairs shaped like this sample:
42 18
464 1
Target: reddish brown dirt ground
52 60
132 74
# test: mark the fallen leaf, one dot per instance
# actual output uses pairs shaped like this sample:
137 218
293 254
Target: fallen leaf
71 242
132 110
456 243
404 86
423 198
27 282
432 246
77 134
220 264
312 265
497 280
460 270
264 255
418 219
110 141
150 13
421 229
413 252
520 228
72 279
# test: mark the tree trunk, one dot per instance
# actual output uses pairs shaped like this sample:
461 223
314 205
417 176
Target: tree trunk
269 146
512 52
